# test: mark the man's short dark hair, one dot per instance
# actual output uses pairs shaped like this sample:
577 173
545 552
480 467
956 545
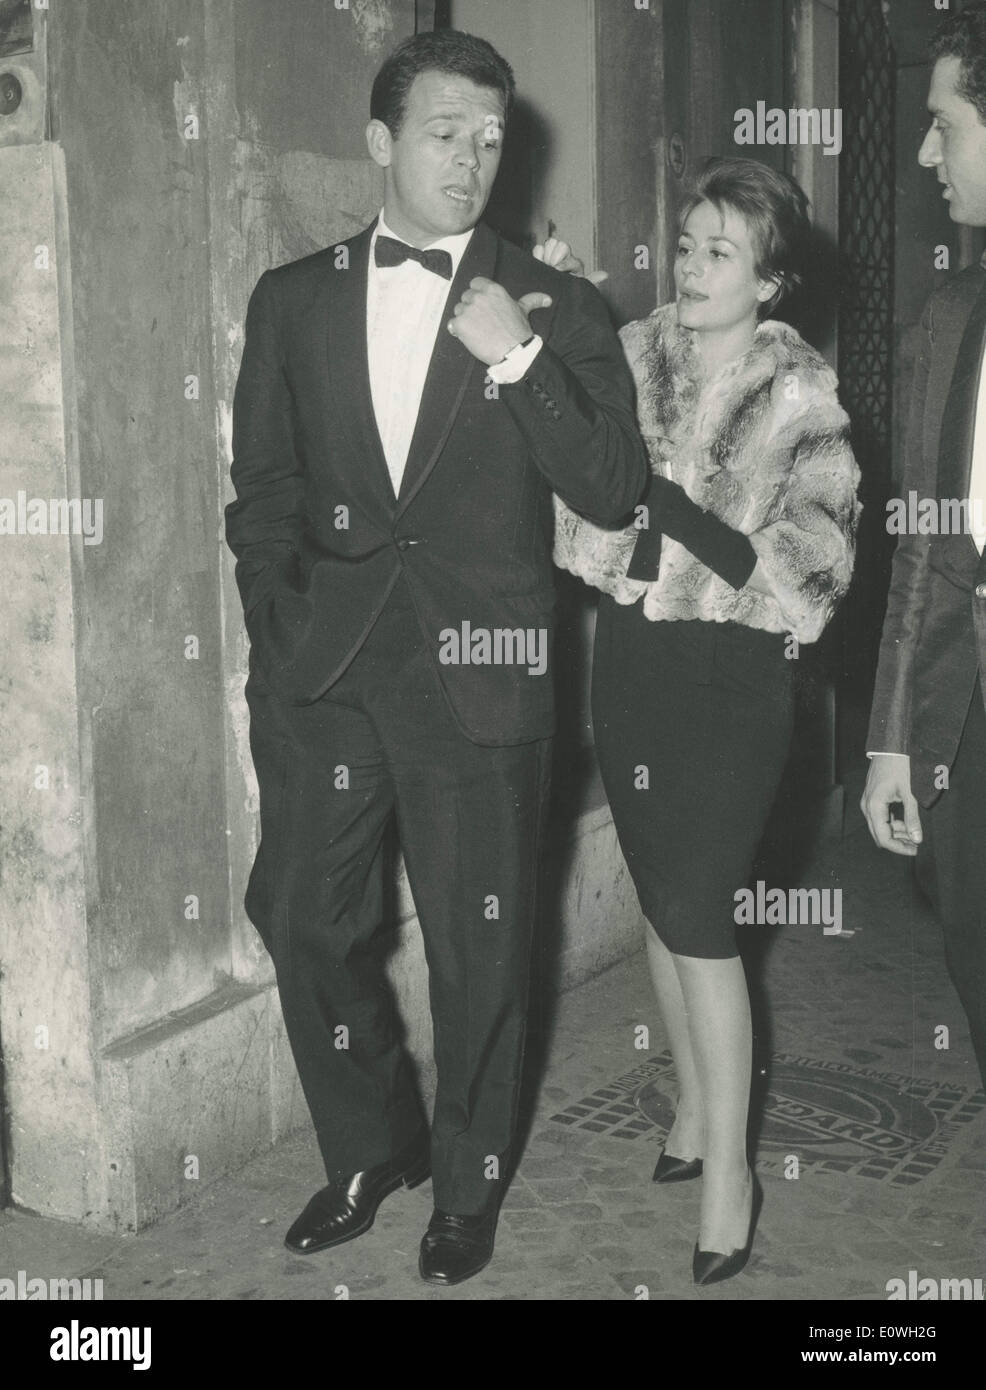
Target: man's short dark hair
444 50
963 36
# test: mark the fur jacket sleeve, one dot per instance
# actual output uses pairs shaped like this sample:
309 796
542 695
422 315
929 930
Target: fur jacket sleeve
764 445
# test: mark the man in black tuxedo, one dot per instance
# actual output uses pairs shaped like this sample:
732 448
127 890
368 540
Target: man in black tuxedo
407 401
927 736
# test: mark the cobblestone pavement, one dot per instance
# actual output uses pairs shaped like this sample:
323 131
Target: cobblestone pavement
884 1129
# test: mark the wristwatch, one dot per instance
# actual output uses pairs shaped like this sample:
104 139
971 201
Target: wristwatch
518 347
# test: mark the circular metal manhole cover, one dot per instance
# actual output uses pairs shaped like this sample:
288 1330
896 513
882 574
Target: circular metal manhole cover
823 1115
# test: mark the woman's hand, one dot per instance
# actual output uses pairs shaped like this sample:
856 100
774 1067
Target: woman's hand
558 254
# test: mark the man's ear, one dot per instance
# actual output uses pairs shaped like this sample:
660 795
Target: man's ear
379 141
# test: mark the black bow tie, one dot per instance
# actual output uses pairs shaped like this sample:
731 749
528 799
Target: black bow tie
389 252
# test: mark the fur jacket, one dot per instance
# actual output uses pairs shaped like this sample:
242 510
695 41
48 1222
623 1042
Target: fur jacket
763 444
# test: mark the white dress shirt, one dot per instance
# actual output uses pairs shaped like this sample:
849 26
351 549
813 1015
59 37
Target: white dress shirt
405 310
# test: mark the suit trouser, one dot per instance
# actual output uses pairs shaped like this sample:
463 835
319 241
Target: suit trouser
470 819
951 868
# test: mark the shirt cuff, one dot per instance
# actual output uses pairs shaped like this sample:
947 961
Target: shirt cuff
885 753
516 364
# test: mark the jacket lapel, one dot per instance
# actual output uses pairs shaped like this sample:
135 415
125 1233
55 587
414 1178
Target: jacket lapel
349 402
957 431
959 419
449 372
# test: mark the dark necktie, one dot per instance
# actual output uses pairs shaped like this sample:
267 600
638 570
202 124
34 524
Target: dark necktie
389 252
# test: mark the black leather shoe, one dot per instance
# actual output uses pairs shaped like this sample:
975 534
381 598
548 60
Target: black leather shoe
712 1266
454 1248
347 1208
671 1169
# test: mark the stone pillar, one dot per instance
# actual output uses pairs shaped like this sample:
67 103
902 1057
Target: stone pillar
46 1024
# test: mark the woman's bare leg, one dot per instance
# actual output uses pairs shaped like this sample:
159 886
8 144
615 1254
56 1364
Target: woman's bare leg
686 1137
717 1007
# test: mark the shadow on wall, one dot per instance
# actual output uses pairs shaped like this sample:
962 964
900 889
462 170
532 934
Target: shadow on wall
814 310
527 148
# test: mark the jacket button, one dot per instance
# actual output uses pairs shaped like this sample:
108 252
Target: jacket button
404 544
981 591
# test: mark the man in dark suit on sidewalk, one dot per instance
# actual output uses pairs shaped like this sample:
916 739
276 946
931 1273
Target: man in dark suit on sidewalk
406 404
927 736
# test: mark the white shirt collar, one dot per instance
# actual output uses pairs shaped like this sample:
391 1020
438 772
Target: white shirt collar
454 245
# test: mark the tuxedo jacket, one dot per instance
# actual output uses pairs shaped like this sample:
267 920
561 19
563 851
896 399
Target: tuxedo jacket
319 536
933 649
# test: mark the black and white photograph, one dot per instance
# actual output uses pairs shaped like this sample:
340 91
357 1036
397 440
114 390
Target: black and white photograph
493 677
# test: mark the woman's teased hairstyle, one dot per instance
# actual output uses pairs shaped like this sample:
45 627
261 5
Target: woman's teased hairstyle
443 50
963 36
774 209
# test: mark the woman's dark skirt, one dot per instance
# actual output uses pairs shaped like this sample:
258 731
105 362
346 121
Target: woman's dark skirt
693 723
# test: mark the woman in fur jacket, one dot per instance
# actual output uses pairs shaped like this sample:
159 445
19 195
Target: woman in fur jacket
739 553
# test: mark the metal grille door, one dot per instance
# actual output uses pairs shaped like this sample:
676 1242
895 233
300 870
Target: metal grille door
867 84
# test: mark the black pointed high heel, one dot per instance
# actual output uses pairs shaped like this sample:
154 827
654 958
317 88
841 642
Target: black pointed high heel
712 1266
672 1169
